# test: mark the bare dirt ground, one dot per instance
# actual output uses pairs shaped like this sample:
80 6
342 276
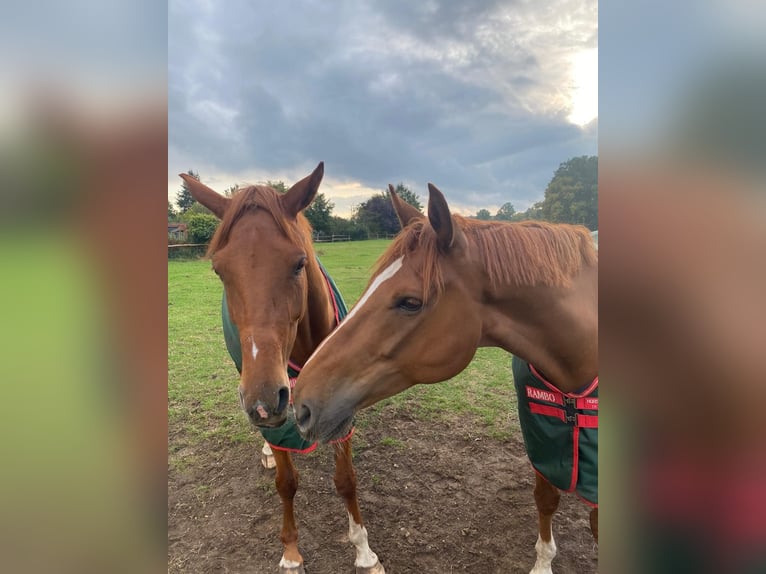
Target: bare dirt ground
436 498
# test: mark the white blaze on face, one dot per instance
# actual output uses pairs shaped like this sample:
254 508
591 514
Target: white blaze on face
255 349
365 558
384 276
546 552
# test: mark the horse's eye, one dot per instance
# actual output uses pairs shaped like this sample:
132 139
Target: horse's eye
409 304
299 266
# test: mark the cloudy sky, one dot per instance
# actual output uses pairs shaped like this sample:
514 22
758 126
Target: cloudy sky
485 98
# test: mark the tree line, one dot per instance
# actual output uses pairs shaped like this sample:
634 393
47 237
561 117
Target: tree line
570 197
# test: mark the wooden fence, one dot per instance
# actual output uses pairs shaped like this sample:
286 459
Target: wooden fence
331 238
197 250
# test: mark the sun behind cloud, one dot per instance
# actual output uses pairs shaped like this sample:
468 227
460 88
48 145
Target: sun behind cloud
584 95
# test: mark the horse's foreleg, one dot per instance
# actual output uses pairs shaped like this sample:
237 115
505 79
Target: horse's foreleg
547 499
594 523
287 484
345 482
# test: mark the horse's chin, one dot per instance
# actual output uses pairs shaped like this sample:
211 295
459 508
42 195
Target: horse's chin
339 431
270 424
329 430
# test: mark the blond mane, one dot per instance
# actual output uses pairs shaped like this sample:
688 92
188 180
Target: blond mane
526 253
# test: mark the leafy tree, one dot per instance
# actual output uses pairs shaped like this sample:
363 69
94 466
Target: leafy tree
185 200
278 185
377 215
484 215
572 194
201 227
409 196
230 191
506 211
342 226
196 208
534 212
171 212
319 214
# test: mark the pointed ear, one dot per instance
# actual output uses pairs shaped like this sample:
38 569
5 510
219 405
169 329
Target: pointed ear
404 211
449 235
215 202
300 196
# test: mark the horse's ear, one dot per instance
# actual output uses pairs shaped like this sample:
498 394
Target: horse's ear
300 196
448 234
404 211
215 202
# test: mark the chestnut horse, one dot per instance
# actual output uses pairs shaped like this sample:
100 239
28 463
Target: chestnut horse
282 306
446 286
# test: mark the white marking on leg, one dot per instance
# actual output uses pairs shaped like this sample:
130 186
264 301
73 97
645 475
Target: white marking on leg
365 558
255 349
382 277
267 456
546 552
289 564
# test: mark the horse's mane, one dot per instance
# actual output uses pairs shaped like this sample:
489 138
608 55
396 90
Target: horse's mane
526 253
260 197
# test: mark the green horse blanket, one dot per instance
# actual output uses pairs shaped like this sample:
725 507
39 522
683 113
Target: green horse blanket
560 431
285 437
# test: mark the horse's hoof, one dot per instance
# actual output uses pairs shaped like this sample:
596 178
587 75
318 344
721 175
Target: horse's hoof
292 569
377 568
267 460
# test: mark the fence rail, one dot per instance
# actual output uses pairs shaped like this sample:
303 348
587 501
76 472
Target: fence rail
186 250
331 238
197 250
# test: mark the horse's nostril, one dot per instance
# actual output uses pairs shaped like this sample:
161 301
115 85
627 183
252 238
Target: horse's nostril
303 416
284 399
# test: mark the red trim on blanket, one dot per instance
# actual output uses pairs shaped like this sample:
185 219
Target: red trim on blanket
294 367
547 410
589 389
587 421
587 403
313 446
586 501
291 384
345 438
541 395
576 458
295 450
577 494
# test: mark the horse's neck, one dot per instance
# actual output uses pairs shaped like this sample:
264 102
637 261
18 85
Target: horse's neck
555 329
319 318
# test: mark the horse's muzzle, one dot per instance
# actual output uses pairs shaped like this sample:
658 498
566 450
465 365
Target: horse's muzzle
324 428
262 415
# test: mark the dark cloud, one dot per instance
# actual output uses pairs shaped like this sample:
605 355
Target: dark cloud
451 92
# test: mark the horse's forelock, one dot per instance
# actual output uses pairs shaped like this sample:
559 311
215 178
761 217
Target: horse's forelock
259 197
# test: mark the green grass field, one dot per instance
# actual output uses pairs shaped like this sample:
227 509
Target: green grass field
202 380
